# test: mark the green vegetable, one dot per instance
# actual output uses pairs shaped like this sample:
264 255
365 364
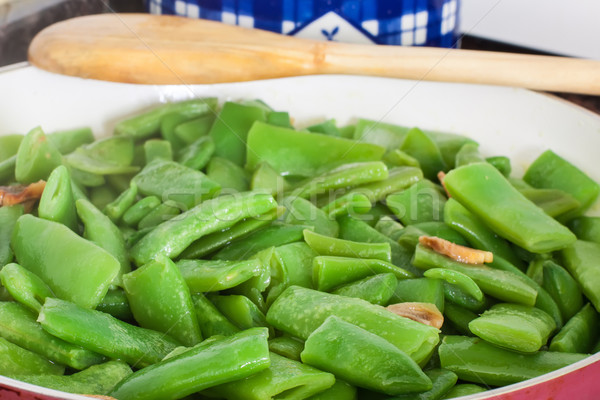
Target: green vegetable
115 209
330 272
398 158
87 179
328 246
15 360
254 288
291 264
399 178
441 230
140 209
456 278
514 326
501 163
359 231
543 300
279 118
468 154
116 304
9 145
456 295
57 203
554 202
299 311
192 130
148 124
267 179
212 276
347 175
550 171
198 153
586 228
230 130
100 196
504 285
215 241
421 290
156 148
73 267
96 380
476 233
582 260
168 123
463 389
68 140
302 212
442 380
172 237
339 347
449 145
100 230
420 146
483 190
211 321
8 218
104 334
240 310
160 300
19 326
380 133
474 360
579 333
227 174
159 214
349 204
339 391
376 289
327 127
459 317
291 152
36 157
274 235
563 289
287 346
169 180
422 202
390 227
209 364
147 249
108 156
284 379
24 286
7 169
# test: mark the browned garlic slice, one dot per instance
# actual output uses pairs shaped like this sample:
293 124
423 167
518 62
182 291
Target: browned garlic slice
425 313
455 251
19 194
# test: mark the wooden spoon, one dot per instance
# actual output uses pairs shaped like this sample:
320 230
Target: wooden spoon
151 49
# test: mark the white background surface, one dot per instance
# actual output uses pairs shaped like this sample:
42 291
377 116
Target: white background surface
566 27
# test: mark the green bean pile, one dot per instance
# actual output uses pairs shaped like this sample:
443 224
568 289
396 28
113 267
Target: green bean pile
215 251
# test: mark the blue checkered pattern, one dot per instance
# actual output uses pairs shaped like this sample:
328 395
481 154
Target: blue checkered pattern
397 22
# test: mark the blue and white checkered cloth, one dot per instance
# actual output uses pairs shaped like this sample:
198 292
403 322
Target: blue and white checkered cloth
397 22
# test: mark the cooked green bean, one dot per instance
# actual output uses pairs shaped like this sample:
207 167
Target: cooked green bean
148 248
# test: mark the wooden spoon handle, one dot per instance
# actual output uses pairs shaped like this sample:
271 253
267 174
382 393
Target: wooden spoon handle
151 49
